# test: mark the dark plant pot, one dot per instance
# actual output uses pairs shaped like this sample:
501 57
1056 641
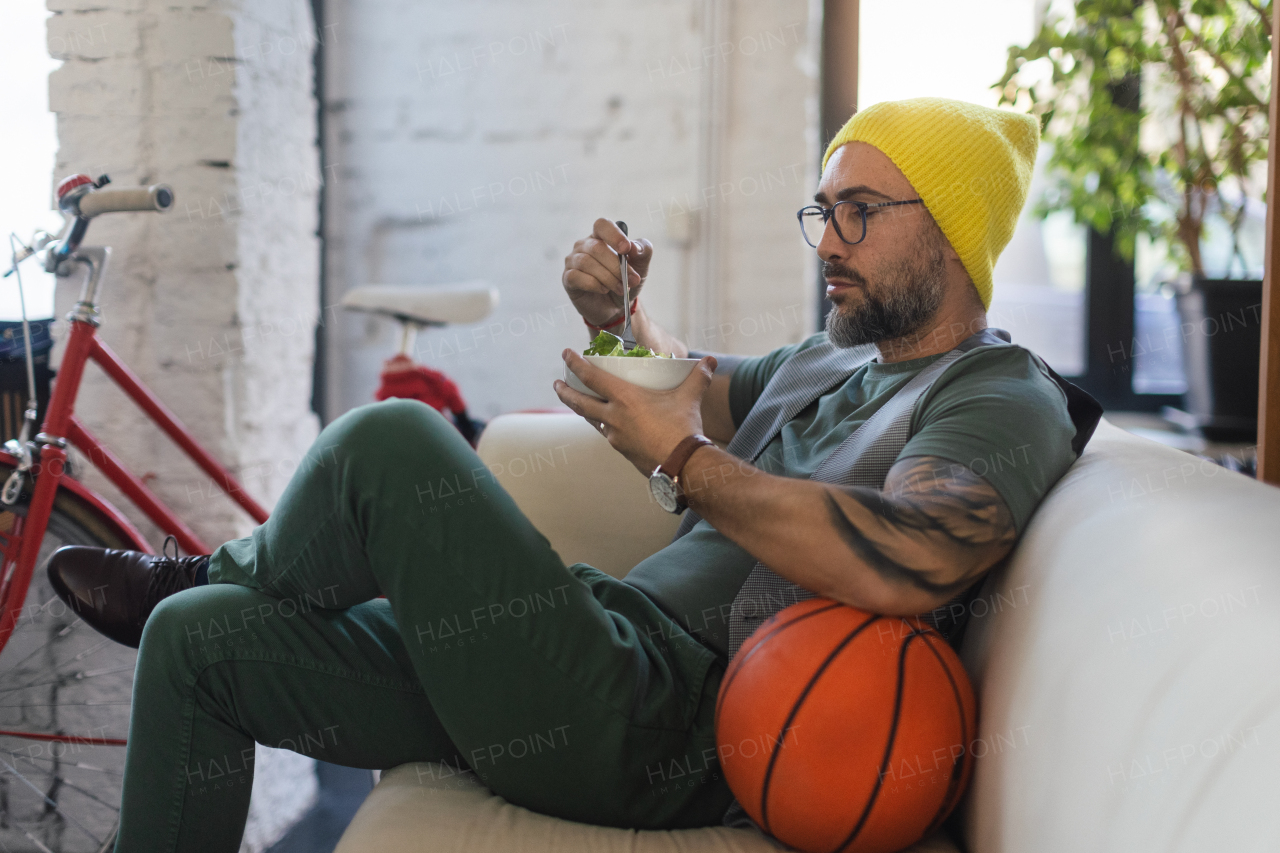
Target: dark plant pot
1221 328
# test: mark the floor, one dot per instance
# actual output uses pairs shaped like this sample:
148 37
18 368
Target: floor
342 790
1237 456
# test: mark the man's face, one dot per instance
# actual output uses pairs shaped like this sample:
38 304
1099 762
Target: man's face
892 283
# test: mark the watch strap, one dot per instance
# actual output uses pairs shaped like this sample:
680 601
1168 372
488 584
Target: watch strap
680 456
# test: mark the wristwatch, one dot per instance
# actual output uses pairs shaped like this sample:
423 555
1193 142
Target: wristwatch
664 482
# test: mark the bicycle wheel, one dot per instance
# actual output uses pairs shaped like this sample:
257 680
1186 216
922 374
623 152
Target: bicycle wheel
58 677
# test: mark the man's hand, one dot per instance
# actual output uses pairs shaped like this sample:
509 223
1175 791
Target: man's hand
642 425
591 280
591 272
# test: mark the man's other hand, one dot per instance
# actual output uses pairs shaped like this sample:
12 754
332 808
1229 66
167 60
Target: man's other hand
591 272
642 425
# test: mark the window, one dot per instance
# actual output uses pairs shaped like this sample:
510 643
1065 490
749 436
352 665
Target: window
27 150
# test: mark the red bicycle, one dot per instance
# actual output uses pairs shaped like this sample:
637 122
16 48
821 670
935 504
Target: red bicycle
65 690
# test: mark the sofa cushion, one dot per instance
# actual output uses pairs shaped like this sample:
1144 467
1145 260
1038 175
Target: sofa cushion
427 808
1128 662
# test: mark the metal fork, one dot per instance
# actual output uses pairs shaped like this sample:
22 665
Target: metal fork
628 337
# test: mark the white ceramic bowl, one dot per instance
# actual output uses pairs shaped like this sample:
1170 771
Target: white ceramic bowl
657 374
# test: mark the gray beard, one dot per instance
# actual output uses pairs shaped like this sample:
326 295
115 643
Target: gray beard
914 295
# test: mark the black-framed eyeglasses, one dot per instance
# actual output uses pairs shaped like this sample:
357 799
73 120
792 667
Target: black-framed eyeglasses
849 217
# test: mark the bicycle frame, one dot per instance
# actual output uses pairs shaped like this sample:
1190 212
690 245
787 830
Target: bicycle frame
62 426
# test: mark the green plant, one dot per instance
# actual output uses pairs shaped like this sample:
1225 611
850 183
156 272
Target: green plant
1124 167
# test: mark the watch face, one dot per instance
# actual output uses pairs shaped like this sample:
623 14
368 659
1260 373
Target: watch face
664 491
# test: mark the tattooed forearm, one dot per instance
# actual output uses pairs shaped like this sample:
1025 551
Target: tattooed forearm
878 558
930 532
935 526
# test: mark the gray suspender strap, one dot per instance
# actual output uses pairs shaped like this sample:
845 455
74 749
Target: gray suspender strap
798 382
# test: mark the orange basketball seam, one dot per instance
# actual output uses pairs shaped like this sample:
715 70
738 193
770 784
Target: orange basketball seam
888 747
795 708
737 663
957 765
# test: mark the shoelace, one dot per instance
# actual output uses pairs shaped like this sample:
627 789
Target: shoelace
170 574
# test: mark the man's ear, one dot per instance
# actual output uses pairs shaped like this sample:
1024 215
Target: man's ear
976 298
948 251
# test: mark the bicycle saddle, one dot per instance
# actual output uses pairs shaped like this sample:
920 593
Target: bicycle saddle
425 304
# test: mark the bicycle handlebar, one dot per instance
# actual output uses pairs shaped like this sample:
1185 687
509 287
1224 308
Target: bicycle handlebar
158 197
82 198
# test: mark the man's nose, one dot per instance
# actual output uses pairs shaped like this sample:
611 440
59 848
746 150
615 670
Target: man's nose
831 248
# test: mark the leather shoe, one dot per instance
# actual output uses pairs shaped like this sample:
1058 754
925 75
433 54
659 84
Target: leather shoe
113 590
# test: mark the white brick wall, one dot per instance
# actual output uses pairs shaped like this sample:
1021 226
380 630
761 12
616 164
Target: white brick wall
480 140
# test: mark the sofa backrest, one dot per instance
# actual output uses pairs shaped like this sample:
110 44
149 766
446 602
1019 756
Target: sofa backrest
591 503
1127 661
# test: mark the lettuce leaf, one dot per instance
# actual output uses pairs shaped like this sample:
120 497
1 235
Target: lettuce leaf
607 343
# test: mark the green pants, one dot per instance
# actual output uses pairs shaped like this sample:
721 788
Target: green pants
562 689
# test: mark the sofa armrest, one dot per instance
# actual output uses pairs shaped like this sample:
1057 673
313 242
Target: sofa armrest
591 503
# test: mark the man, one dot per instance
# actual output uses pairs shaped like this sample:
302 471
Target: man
562 688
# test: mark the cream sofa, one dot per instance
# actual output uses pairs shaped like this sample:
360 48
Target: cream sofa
1127 662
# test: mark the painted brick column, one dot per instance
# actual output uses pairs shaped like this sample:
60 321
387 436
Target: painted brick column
215 303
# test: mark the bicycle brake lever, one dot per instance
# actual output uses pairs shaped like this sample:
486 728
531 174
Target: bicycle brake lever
12 489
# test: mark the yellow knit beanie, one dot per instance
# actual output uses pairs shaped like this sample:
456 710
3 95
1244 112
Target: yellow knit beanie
971 165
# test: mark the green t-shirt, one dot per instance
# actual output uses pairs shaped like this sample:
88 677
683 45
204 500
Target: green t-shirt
995 410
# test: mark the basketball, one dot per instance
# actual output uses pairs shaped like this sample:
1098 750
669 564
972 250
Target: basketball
840 730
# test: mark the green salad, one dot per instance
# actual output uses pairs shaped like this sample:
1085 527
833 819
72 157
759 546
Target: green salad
607 343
